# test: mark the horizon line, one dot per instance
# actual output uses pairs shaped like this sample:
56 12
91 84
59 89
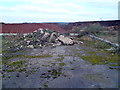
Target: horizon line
61 22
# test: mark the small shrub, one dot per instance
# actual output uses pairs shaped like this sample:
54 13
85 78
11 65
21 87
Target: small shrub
95 28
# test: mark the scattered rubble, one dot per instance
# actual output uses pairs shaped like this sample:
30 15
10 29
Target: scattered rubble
45 37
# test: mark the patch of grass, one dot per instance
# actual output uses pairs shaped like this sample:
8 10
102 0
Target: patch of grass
21 70
61 57
114 65
46 65
53 73
13 70
53 64
0 63
70 62
6 51
94 59
101 45
95 56
56 73
89 43
44 76
17 62
9 57
26 65
9 52
101 51
60 68
26 56
113 59
96 44
10 70
45 85
42 56
31 72
5 62
62 64
91 52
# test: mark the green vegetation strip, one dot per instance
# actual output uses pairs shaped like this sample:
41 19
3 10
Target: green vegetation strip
17 62
9 52
27 56
20 70
94 59
108 57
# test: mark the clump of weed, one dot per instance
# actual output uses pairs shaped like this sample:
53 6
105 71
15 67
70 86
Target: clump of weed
41 56
26 56
26 75
9 57
46 65
70 62
93 59
53 73
46 85
56 73
62 64
21 69
72 69
53 64
10 70
17 62
61 57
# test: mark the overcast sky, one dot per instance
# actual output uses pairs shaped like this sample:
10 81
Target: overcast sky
14 11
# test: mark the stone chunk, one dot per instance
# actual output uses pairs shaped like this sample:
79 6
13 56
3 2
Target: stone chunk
65 40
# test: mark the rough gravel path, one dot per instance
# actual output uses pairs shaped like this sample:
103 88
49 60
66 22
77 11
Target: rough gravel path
62 69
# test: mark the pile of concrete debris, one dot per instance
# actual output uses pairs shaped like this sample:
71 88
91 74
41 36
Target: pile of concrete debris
45 37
